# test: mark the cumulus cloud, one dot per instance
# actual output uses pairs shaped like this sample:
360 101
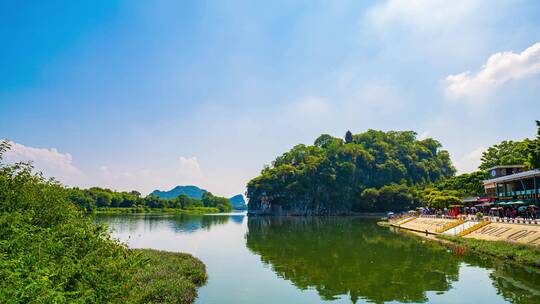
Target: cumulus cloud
190 169
47 160
499 69
470 161
60 165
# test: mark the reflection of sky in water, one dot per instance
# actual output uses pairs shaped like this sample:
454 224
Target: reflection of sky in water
237 275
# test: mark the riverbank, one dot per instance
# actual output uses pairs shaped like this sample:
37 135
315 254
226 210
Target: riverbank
190 211
507 241
515 252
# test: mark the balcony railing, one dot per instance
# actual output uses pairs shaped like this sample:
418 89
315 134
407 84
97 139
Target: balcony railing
516 193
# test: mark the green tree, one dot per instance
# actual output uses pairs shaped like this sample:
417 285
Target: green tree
330 177
467 184
507 152
348 137
440 199
222 203
533 149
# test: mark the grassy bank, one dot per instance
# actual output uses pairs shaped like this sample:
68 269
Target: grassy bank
514 252
51 252
166 277
195 210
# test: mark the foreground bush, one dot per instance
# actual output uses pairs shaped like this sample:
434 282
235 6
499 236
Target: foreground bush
51 253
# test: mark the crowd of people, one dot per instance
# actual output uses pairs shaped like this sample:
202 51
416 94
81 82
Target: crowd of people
493 210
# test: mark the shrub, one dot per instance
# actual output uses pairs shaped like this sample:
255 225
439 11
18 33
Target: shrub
51 253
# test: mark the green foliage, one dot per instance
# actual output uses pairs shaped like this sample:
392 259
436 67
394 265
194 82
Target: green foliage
533 149
440 198
467 184
222 203
348 137
389 197
51 253
190 210
507 152
331 176
99 198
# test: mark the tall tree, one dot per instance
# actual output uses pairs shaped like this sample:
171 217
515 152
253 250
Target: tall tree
533 148
348 137
507 152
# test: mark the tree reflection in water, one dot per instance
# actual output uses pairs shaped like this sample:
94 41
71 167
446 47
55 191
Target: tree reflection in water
153 221
352 256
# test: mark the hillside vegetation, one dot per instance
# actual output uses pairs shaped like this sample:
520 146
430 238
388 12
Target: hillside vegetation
371 171
102 199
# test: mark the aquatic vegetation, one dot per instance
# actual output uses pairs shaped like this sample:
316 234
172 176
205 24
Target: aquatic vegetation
167 277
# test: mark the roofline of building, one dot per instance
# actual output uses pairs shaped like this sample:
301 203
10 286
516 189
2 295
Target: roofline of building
506 166
512 177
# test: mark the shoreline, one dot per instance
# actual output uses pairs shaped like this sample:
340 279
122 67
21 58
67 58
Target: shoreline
357 214
198 211
508 250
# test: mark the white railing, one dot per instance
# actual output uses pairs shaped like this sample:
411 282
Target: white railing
494 219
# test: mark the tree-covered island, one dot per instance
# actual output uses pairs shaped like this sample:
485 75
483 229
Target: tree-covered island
367 172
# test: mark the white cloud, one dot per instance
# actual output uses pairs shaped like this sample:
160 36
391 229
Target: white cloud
424 15
53 163
470 161
423 135
186 171
49 161
190 169
311 105
499 69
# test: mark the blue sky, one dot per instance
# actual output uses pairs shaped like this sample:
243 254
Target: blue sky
144 95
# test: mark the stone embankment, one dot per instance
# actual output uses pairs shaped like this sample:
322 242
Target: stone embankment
515 231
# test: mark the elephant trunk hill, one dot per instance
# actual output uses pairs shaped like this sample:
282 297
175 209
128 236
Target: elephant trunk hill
374 171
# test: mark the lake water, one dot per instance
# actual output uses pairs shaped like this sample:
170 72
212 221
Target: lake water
330 260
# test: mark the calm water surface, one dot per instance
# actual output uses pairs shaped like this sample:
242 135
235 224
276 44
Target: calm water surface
314 260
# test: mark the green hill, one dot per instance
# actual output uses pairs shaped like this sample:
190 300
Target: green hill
237 201
373 171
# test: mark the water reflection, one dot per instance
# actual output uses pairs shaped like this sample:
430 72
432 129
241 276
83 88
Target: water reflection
353 257
179 223
339 259
514 284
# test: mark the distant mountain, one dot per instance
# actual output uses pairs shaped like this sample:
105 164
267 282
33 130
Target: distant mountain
191 191
237 201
